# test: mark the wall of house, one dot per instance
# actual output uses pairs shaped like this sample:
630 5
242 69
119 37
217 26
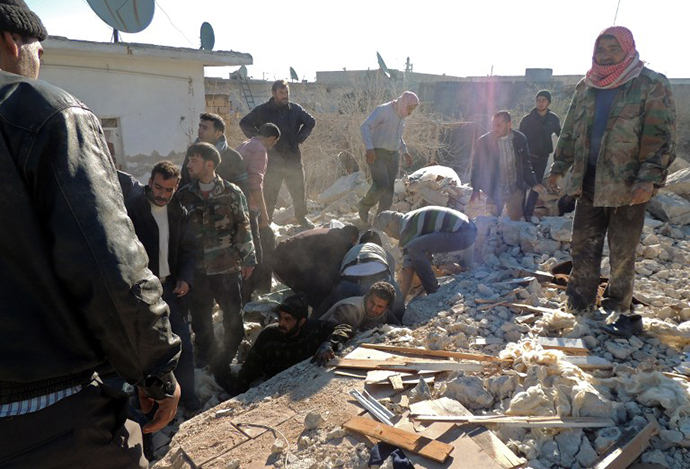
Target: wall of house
155 102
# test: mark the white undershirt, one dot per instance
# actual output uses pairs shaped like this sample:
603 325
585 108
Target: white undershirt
160 214
365 269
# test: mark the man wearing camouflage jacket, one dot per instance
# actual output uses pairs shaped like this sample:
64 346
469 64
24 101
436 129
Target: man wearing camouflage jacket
618 137
219 219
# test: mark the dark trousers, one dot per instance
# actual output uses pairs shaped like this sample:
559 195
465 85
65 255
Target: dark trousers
539 167
184 372
383 173
590 226
261 275
226 290
87 429
420 249
289 169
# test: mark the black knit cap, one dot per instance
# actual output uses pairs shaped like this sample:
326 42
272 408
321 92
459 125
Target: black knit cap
544 93
296 306
15 17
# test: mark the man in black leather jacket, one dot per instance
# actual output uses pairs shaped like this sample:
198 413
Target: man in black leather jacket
162 226
74 287
501 168
285 158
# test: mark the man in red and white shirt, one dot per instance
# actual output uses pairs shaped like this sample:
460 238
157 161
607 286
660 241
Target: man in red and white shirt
255 154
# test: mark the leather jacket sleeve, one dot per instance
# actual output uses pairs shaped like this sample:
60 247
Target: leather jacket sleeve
250 123
187 251
308 123
95 252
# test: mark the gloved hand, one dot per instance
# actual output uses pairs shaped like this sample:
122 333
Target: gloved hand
323 354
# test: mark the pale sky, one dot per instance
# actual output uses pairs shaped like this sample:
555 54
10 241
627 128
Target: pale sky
455 37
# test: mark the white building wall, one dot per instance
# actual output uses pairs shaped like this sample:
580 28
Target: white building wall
157 102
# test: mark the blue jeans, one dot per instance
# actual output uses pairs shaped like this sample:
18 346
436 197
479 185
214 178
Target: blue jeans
383 173
418 252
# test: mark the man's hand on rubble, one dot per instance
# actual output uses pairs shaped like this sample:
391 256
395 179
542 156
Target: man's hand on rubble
408 159
641 192
371 156
540 189
247 272
477 195
552 183
166 409
324 354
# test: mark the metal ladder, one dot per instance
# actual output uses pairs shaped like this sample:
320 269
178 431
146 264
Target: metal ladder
247 91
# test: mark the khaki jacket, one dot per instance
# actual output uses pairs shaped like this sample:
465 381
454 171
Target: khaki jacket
638 144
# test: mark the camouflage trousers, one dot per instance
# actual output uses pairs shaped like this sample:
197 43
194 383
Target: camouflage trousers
590 226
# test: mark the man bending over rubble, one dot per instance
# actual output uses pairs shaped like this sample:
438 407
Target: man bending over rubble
293 339
423 232
618 137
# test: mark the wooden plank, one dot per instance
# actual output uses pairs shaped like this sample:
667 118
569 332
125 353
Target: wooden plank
404 366
487 341
432 449
530 308
590 362
381 376
570 346
526 319
627 449
396 382
351 374
541 276
520 421
676 375
419 352
492 305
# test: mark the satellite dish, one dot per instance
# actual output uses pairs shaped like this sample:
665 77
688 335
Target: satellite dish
208 38
130 16
293 74
382 65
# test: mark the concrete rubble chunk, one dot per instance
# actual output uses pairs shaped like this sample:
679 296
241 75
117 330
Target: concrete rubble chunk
470 392
606 437
312 420
352 183
679 183
671 208
279 446
568 446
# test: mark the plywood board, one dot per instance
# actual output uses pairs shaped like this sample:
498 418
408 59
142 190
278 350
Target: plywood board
519 421
590 362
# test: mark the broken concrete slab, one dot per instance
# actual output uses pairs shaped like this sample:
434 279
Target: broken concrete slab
670 208
352 183
679 183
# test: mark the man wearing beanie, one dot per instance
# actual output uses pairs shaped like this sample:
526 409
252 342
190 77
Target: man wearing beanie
538 126
619 140
293 339
75 289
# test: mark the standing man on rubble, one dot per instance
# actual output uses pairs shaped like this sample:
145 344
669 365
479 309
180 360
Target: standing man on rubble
382 133
422 233
220 222
255 155
162 226
619 140
284 159
74 287
501 168
538 126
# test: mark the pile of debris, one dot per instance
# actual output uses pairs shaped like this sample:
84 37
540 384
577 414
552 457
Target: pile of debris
500 376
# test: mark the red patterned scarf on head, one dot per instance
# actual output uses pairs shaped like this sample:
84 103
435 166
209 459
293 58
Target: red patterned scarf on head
408 98
613 76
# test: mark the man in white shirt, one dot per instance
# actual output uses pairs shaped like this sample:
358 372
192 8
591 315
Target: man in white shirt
161 226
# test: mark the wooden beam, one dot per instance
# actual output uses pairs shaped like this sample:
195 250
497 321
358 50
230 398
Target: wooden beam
418 444
419 352
569 346
627 449
530 308
520 421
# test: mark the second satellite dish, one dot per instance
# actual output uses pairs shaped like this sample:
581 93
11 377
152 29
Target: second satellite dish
129 16
208 38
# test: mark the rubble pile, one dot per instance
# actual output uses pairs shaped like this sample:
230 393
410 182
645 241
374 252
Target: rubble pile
501 307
